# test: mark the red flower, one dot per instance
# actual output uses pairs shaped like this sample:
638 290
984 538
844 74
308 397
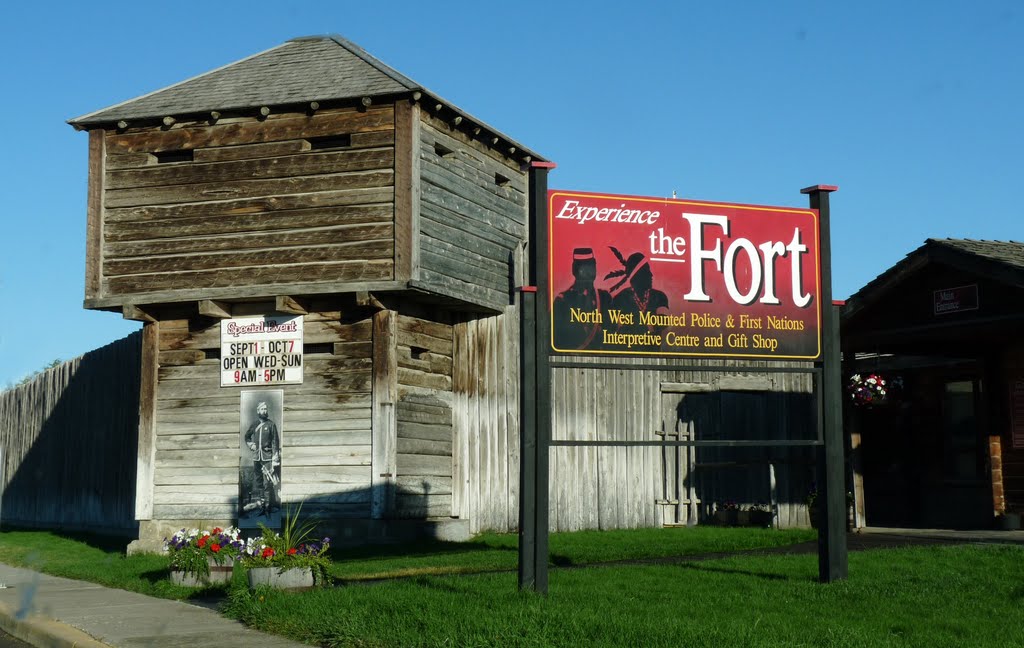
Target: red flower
202 541
292 551
215 547
216 530
267 552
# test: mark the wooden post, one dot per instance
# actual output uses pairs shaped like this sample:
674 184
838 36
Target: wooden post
407 190
832 561
94 212
385 428
144 472
535 393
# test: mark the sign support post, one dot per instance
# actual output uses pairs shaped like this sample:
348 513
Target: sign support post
535 400
832 559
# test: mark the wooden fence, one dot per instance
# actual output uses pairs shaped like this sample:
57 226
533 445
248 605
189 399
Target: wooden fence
69 441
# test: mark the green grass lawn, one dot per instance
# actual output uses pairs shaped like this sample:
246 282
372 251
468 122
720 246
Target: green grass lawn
930 597
924 596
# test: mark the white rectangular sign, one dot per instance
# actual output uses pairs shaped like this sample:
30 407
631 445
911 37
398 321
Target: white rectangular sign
261 350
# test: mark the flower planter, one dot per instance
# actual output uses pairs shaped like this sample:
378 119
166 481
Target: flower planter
281 577
219 573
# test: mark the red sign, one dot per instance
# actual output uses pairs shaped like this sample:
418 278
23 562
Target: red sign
654 276
955 300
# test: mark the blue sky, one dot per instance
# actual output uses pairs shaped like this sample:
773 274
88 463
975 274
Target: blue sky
912 108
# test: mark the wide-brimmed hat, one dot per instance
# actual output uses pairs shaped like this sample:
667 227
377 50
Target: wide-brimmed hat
630 267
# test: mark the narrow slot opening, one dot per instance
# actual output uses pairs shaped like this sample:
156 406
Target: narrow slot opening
418 352
442 150
329 142
167 157
501 180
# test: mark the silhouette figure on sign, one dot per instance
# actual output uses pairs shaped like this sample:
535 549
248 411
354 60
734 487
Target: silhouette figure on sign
582 309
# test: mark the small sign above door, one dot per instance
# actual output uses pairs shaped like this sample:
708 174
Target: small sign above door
955 300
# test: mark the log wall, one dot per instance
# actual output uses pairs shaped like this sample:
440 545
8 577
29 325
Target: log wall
472 218
69 443
242 206
326 432
424 418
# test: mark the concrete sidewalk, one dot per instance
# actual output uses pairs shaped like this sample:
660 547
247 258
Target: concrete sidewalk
61 613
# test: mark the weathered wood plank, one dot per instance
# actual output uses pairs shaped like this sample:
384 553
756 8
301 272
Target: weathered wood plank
439 330
154 259
334 272
414 378
420 506
425 432
424 414
407 446
406 161
261 222
247 188
306 164
385 396
453 263
413 464
313 333
424 485
147 449
426 361
248 291
179 477
219 210
94 214
252 132
461 290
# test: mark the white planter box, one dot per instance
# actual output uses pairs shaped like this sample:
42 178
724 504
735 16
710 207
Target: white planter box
281 578
218 574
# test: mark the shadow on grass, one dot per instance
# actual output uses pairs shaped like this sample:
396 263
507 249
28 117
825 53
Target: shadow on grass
418 549
705 567
103 542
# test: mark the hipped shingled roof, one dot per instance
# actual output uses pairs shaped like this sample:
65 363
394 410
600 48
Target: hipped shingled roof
1000 260
299 71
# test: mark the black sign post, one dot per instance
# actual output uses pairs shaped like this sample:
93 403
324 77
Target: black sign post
832 564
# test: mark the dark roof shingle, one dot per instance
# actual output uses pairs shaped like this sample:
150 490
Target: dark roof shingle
298 71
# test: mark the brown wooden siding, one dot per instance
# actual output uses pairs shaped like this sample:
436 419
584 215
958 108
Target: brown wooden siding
325 434
472 217
424 418
257 205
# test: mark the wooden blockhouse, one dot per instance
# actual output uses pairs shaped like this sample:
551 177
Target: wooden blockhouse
313 179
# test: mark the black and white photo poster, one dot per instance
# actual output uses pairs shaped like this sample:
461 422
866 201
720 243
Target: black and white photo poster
260 441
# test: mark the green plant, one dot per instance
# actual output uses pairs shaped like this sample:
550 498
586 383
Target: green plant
292 548
192 549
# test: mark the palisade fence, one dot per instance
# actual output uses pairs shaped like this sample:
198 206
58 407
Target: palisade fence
69 440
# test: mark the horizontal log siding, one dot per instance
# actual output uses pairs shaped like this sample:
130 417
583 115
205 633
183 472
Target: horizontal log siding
486 416
257 206
325 433
470 225
69 438
424 419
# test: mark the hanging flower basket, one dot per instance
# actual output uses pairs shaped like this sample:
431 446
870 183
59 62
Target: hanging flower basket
871 390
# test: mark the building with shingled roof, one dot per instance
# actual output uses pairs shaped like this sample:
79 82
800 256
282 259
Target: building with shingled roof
945 447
